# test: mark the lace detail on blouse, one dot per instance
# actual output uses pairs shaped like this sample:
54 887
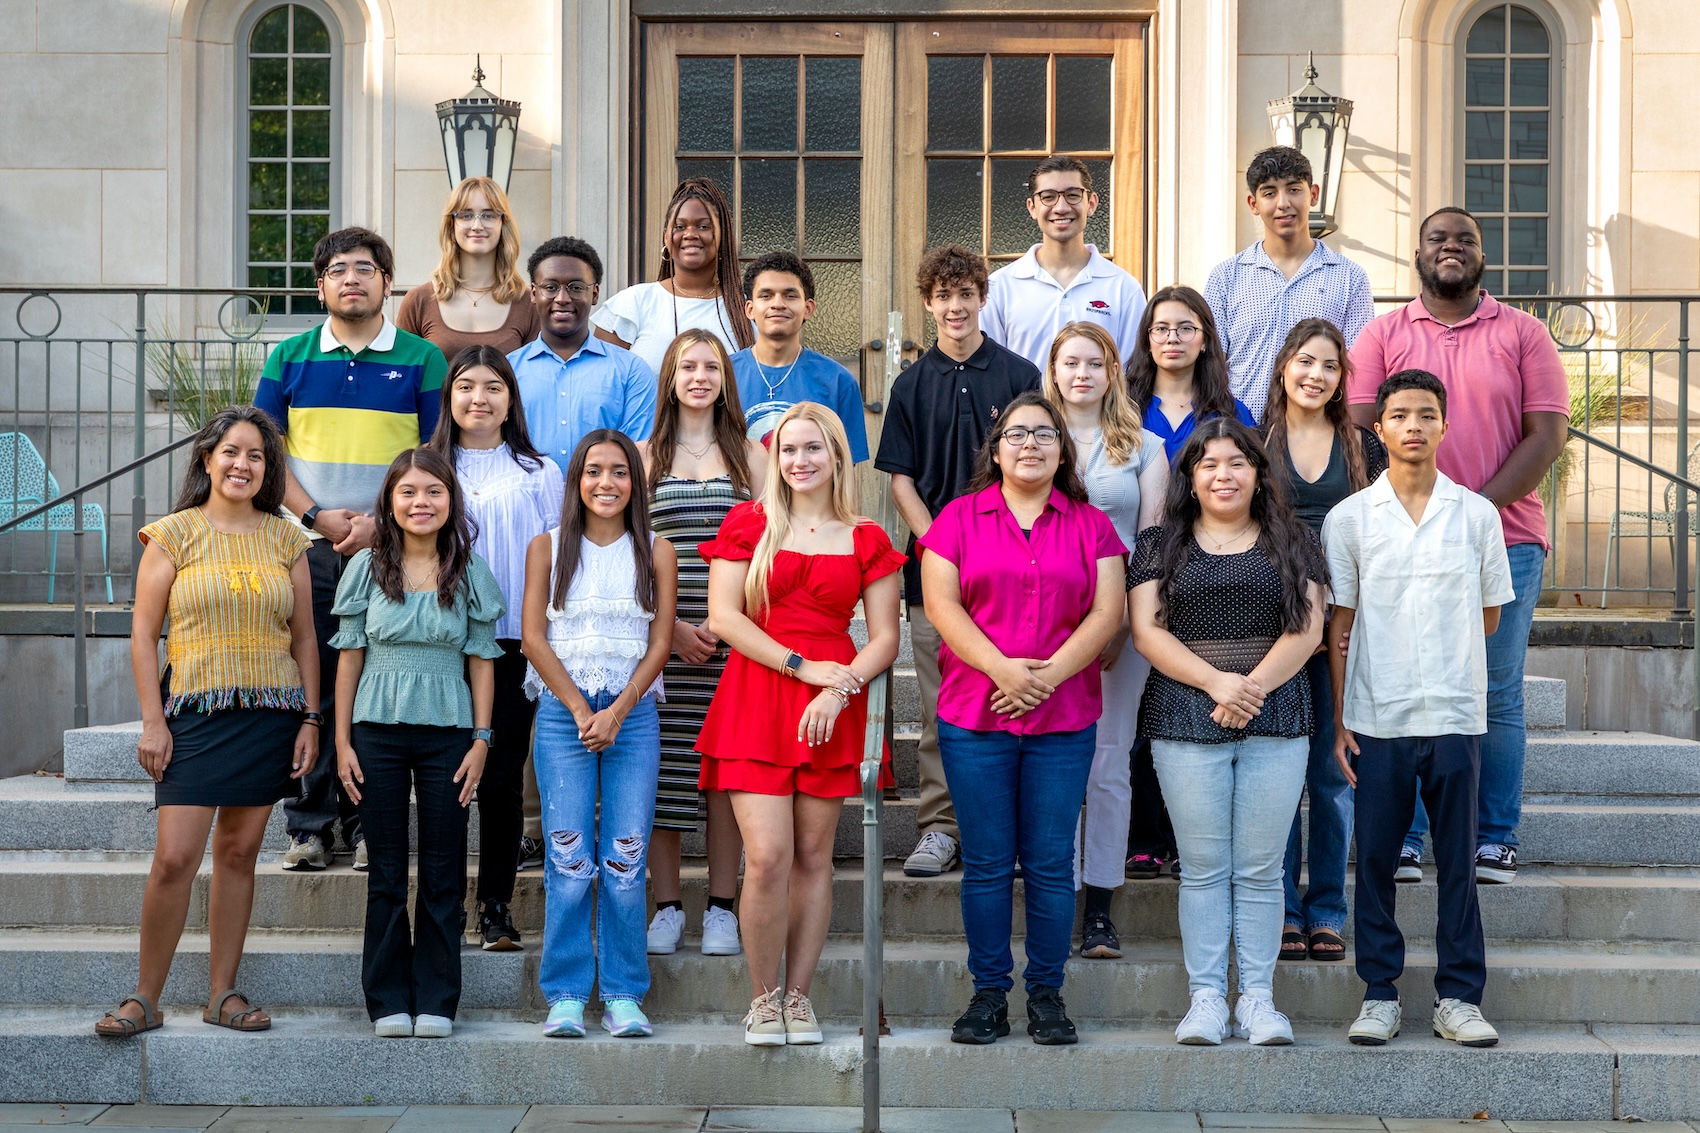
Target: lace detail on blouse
602 631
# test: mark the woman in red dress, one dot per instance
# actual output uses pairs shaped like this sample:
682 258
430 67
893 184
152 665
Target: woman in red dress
784 733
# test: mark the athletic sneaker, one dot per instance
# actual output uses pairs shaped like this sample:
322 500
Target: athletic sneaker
1098 939
433 1027
665 930
1496 864
1257 1021
496 930
765 1024
624 1019
1142 867
1047 1018
566 1019
397 1026
306 854
1206 1023
362 863
801 1026
985 1021
1462 1023
530 853
1378 1021
719 932
1410 866
934 854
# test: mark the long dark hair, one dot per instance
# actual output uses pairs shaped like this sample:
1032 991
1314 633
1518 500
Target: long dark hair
1211 394
197 483
730 428
705 189
571 536
1067 478
514 432
1275 409
1284 539
454 537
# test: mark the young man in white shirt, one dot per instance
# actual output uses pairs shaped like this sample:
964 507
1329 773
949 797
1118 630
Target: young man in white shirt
1419 572
1062 278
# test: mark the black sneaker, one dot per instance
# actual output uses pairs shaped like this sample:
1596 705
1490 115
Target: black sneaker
986 1020
496 928
1410 868
1496 864
1098 939
530 853
1047 1021
1175 865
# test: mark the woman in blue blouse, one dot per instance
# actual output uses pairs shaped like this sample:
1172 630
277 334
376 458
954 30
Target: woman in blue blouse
419 612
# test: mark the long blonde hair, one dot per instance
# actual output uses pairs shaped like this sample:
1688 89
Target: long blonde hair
776 498
446 280
1117 415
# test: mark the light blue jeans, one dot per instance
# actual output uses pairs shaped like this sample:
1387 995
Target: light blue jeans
610 857
1499 795
1232 805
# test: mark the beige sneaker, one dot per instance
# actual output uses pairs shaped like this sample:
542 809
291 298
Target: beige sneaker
801 1026
765 1025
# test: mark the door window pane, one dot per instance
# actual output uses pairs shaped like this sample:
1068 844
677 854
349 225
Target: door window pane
836 329
953 202
1019 103
834 104
1083 103
705 105
770 104
955 102
716 169
832 207
769 208
1013 230
1098 224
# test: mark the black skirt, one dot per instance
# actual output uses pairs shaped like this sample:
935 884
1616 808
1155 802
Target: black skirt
233 757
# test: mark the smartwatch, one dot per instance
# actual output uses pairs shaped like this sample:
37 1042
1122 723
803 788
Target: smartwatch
793 662
309 516
482 734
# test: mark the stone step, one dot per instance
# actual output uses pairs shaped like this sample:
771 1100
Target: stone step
1535 1074
924 980
1612 764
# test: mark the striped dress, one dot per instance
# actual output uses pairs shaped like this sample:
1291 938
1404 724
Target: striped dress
685 513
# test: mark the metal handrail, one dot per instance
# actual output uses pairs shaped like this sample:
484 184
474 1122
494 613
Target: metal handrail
98 482
873 900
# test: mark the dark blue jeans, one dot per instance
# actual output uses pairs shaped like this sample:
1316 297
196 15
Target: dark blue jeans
1323 903
1017 797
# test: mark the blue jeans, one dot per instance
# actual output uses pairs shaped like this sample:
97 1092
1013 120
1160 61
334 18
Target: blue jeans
1232 805
1017 797
610 856
1324 902
1499 799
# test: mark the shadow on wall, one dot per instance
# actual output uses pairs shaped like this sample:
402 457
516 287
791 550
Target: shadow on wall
1359 157
1656 258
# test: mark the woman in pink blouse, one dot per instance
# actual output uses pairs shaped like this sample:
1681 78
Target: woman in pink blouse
1019 698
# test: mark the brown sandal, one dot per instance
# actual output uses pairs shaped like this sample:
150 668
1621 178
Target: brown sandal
1292 944
1333 947
236 1020
124 1027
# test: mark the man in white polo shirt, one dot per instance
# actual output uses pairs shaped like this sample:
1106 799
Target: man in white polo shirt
1062 278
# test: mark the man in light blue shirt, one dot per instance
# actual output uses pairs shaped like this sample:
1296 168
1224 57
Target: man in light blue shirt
778 372
570 381
1262 293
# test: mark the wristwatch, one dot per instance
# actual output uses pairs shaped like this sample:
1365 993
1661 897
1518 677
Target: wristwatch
793 662
482 734
308 516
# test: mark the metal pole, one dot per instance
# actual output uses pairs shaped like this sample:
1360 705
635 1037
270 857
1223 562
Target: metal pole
80 706
1681 610
873 902
139 489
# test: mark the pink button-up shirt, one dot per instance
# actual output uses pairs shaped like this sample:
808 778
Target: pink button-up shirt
1027 593
1496 365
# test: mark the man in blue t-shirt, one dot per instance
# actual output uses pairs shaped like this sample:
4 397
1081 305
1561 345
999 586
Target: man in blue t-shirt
778 372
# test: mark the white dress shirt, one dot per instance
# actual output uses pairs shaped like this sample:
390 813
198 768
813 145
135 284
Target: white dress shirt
1025 306
1417 664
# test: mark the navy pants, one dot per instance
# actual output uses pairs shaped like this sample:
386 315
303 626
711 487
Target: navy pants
1391 773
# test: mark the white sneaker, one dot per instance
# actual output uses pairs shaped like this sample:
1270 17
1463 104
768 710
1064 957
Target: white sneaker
397 1026
433 1027
1378 1021
306 854
934 854
1462 1023
665 930
1206 1024
719 932
1257 1021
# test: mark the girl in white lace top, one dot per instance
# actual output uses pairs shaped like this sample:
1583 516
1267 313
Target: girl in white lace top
600 594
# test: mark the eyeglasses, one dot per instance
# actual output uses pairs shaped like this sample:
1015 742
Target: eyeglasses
576 290
483 216
365 269
1017 435
1186 332
1049 197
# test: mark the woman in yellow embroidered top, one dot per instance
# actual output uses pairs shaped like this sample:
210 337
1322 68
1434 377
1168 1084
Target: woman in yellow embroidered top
229 725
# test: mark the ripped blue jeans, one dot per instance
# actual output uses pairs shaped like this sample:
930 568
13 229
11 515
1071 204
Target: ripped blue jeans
580 855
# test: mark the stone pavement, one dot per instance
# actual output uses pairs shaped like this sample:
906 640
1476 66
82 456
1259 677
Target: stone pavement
734 1119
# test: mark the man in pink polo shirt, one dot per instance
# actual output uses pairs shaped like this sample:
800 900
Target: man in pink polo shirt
1509 407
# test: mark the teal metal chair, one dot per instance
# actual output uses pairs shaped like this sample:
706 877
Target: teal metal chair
1659 524
26 484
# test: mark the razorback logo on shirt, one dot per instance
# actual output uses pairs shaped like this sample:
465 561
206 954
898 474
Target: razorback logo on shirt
1099 306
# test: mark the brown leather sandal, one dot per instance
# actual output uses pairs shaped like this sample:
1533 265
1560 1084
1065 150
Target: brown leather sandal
236 1020
115 1026
1332 946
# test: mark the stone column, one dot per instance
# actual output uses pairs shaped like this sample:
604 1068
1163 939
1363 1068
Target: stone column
594 167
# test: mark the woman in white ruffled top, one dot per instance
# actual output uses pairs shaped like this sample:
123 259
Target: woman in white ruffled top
600 593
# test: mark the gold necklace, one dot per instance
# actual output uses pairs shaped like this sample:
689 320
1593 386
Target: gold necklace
475 291
1234 538
697 453
414 583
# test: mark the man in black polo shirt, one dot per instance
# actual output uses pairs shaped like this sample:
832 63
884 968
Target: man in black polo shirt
940 411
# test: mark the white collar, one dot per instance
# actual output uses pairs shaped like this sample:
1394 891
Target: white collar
328 343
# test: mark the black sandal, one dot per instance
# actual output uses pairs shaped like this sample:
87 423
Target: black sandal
1293 945
124 1027
1335 945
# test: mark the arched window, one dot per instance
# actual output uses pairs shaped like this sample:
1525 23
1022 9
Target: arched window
288 163
1510 134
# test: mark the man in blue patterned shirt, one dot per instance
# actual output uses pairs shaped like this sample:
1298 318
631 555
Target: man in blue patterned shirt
1262 293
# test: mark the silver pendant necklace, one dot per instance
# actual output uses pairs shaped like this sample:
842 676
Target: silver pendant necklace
772 386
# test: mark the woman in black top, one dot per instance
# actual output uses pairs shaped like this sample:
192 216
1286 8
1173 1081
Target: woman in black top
1226 602
1321 458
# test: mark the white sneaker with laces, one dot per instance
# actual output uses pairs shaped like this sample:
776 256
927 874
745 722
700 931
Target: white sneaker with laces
719 932
1206 1024
665 930
306 854
934 854
1378 1021
1462 1023
1257 1021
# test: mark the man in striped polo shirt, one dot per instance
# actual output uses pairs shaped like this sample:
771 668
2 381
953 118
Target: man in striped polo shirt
349 397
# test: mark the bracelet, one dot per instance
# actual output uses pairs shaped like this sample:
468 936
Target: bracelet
316 719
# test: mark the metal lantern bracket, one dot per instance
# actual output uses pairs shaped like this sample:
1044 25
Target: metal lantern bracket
1316 124
480 132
